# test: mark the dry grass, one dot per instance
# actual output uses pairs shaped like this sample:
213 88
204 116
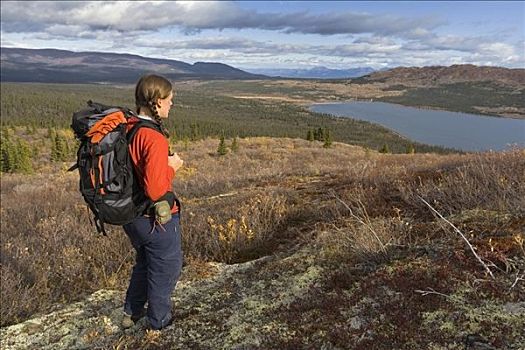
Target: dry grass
481 193
47 244
315 91
271 194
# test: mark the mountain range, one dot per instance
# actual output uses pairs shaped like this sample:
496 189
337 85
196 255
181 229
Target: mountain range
314 73
61 66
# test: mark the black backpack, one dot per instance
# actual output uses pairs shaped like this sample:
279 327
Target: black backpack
107 176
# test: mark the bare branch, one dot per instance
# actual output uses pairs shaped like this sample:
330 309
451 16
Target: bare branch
518 278
222 195
430 291
461 234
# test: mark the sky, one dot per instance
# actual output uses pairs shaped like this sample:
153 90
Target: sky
278 34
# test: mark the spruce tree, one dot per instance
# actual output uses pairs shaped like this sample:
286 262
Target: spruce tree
235 145
194 132
310 135
59 149
384 149
327 139
12 157
222 150
23 157
320 136
7 152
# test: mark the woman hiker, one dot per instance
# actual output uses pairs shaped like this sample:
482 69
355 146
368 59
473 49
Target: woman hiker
156 235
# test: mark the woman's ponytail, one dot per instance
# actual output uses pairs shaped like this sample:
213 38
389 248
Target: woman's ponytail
149 89
153 108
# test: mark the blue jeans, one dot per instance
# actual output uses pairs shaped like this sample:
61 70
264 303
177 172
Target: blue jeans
157 268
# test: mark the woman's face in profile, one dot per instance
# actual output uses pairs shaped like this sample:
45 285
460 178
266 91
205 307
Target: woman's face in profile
165 105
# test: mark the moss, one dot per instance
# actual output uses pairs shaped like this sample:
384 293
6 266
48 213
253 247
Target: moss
490 318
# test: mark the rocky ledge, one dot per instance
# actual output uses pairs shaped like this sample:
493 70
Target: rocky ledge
290 301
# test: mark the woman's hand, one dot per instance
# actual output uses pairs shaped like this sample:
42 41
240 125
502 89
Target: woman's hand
175 162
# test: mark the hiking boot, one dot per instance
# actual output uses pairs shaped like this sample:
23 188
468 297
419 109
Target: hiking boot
169 323
130 320
126 321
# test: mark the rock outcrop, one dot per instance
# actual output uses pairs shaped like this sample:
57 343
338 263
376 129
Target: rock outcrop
291 301
221 311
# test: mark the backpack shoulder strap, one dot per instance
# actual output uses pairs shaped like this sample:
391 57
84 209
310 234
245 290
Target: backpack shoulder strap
142 123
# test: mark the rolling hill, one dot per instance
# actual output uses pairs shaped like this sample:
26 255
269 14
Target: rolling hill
437 75
61 66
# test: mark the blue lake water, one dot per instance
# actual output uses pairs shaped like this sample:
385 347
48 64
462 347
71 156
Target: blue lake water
468 132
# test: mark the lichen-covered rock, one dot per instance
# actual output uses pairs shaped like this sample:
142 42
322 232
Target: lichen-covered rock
226 310
299 299
76 326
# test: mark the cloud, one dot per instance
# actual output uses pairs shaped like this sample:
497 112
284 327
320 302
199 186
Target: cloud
478 48
233 44
364 46
123 16
374 51
126 16
255 47
142 27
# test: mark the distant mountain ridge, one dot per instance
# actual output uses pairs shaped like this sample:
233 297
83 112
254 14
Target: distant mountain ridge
62 66
436 75
314 73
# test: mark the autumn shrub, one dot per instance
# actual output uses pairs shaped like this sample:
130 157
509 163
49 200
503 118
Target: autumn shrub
250 228
19 300
383 206
491 181
50 253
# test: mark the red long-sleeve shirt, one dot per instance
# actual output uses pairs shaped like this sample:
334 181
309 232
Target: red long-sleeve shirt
149 152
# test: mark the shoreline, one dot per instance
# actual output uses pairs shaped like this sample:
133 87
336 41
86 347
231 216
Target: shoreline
414 138
427 108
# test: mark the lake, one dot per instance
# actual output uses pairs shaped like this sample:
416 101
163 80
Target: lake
467 132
